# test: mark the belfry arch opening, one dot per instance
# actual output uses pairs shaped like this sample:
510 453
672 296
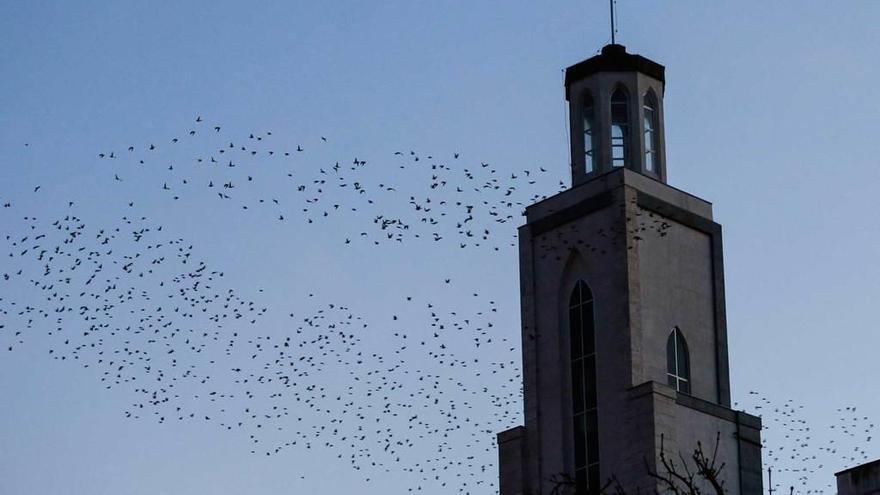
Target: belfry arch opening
619 127
650 126
589 125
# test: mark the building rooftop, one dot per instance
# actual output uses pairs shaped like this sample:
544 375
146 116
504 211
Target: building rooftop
863 479
614 58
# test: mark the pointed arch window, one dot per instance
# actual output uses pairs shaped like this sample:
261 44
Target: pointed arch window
583 380
589 148
649 111
619 128
678 368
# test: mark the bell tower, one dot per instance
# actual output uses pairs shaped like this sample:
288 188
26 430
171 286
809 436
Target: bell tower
615 103
624 332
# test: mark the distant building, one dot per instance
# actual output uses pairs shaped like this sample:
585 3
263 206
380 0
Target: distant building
860 480
624 332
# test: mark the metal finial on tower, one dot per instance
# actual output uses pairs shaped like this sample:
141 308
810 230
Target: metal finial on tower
613 37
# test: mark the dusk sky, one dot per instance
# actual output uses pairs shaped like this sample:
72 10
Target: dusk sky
771 114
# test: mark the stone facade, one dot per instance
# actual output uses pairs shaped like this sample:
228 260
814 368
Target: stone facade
645 284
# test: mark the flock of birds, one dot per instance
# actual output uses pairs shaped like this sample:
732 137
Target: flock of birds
143 313
422 392
132 302
801 454
470 206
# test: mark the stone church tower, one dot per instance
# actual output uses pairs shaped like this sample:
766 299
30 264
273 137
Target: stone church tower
624 331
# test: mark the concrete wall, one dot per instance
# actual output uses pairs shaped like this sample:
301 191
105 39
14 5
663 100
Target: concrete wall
675 288
591 249
686 430
511 458
676 428
860 480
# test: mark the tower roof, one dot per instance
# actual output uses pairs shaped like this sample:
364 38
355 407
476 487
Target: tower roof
614 59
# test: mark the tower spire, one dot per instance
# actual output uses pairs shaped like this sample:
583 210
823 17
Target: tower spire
613 37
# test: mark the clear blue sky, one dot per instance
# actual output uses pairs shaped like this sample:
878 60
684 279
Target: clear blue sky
771 114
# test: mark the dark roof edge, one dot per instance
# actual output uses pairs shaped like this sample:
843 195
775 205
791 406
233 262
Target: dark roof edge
614 59
859 467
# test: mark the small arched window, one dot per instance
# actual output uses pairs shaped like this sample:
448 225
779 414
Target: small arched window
583 394
589 165
678 368
619 128
649 109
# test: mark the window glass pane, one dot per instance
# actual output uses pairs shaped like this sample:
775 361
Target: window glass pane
618 113
588 136
684 386
581 480
583 383
619 122
574 317
650 124
580 441
671 367
683 366
588 338
586 293
590 384
593 479
577 386
672 381
592 437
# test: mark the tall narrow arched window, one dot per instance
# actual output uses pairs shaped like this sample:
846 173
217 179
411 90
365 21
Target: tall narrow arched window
619 128
583 394
649 110
589 164
678 368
